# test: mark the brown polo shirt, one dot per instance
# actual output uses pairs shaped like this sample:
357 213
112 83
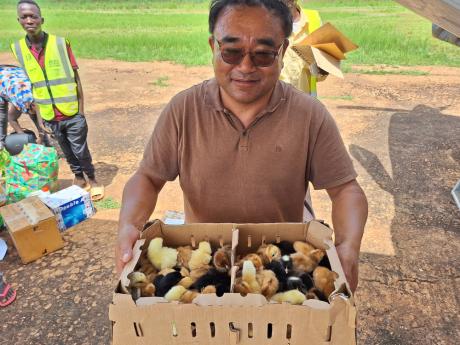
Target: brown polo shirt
253 175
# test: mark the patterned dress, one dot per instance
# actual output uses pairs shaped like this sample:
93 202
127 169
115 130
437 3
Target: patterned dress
15 87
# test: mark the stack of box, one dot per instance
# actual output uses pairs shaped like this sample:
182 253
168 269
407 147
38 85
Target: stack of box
233 319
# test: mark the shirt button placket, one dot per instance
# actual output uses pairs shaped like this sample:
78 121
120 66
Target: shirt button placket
244 141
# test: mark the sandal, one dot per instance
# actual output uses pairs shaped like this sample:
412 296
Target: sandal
97 193
7 293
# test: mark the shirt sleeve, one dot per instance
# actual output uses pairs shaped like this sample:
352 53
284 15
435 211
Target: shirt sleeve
160 158
330 165
72 59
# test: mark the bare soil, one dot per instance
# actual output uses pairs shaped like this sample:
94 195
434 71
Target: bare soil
403 134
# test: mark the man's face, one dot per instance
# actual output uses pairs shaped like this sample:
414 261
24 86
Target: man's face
247 29
30 19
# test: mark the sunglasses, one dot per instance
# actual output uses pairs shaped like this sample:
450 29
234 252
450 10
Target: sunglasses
234 56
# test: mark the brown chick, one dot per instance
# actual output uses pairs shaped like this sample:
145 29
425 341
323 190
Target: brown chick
241 287
208 289
148 290
183 255
137 281
256 260
222 258
324 280
188 296
269 252
268 283
199 272
303 247
307 263
165 271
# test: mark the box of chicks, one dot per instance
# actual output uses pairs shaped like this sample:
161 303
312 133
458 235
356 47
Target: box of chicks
279 283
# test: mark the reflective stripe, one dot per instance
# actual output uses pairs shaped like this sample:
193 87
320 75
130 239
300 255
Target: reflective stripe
60 41
56 100
54 82
20 57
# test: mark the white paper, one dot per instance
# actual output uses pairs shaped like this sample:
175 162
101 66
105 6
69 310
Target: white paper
3 249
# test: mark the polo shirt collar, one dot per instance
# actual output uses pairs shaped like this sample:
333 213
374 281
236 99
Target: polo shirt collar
212 96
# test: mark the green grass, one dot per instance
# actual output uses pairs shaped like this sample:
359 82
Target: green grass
107 204
161 82
141 30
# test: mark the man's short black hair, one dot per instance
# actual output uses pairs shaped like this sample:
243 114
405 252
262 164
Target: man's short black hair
277 7
30 2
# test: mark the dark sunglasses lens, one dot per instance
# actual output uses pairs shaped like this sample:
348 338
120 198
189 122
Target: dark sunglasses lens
232 56
263 59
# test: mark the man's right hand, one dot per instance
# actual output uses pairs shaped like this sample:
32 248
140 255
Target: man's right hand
127 236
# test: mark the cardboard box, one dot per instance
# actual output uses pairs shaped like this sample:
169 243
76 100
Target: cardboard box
325 47
71 206
233 319
33 228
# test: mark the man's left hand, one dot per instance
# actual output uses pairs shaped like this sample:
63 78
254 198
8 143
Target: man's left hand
349 258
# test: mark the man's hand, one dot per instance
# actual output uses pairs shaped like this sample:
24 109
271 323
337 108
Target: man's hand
127 236
349 258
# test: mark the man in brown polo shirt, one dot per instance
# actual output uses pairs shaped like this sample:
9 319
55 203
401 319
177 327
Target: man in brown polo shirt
244 144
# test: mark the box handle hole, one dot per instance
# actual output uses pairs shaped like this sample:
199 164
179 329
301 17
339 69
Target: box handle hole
138 329
250 330
212 327
193 328
289 332
269 331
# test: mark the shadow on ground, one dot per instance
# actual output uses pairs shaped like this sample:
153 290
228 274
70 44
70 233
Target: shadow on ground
412 298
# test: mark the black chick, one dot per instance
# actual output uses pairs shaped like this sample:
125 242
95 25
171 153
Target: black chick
277 267
287 248
164 283
221 281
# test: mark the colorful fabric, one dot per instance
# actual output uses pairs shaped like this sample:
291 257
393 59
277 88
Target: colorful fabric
35 168
15 87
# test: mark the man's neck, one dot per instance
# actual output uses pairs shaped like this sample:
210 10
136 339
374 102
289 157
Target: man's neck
37 39
246 113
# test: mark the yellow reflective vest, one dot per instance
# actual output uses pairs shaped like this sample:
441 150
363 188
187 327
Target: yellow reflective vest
296 71
54 85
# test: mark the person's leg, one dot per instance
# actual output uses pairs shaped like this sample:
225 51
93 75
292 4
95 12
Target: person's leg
13 116
59 129
3 120
77 133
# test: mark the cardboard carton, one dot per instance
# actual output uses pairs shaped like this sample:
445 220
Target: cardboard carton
325 47
71 206
233 319
32 227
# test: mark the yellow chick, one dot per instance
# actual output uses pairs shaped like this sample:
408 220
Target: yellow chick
161 257
175 293
303 247
291 296
200 256
186 282
249 277
256 260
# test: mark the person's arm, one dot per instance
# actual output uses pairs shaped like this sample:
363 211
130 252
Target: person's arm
349 215
13 116
81 108
139 199
3 120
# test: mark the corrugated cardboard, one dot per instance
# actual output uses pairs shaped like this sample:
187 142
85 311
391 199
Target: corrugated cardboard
233 319
32 227
325 46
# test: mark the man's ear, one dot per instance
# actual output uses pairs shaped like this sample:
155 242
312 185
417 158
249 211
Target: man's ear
43 20
211 42
285 46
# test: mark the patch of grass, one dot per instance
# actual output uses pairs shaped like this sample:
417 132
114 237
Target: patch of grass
384 72
107 204
161 82
146 30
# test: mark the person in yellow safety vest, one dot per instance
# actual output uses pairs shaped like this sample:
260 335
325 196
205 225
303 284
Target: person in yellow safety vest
51 67
297 71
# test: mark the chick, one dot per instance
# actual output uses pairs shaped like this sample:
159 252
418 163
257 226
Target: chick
277 267
145 265
165 271
164 283
161 257
200 256
268 283
303 247
324 280
307 263
249 277
183 256
286 247
186 282
199 272
291 296
220 280
188 296
256 260
209 289
222 258
175 293
314 293
269 252
139 286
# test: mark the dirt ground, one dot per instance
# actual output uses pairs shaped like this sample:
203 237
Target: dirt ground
403 134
